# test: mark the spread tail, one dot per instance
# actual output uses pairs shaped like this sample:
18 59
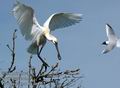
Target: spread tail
32 48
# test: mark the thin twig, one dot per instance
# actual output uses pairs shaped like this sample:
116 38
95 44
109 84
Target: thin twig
19 79
30 67
11 68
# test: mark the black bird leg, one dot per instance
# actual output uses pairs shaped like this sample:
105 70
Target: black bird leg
38 54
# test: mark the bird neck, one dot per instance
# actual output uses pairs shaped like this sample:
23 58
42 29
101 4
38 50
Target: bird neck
50 37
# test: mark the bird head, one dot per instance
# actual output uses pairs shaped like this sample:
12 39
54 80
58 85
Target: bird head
54 40
105 43
51 38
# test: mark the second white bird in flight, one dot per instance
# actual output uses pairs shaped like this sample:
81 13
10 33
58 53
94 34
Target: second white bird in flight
31 29
112 41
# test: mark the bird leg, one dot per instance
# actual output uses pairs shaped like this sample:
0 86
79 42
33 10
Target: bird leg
38 54
59 56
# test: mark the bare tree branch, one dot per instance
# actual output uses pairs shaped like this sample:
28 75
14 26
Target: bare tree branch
12 67
53 77
29 75
42 77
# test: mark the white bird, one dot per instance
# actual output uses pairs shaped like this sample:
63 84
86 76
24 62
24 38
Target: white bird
113 40
38 34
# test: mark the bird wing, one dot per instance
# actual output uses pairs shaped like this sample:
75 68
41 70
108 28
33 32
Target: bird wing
108 48
61 20
110 33
26 20
118 43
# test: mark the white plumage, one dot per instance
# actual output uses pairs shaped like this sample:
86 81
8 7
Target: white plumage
32 31
112 41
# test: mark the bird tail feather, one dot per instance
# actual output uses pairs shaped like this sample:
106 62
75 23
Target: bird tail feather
32 48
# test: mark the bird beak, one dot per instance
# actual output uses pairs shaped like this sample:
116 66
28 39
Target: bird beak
56 45
104 43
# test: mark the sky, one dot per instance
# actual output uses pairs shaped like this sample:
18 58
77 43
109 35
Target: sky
80 45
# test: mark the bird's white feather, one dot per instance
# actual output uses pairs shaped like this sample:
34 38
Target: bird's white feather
118 43
26 20
110 32
31 30
61 20
112 41
32 48
108 48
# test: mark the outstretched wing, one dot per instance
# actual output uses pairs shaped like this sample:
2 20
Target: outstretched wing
108 48
26 20
61 20
110 32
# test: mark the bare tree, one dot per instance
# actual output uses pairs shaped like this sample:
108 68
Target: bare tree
52 77
12 67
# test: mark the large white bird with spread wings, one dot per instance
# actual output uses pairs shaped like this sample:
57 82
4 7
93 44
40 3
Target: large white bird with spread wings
113 40
38 34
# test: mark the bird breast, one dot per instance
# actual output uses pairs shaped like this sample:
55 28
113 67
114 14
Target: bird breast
41 40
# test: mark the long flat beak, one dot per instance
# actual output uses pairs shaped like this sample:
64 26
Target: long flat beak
56 45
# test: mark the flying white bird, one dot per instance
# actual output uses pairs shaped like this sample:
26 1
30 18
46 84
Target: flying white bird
38 34
112 41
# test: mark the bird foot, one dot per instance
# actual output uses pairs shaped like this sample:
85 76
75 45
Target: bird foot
43 62
45 65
